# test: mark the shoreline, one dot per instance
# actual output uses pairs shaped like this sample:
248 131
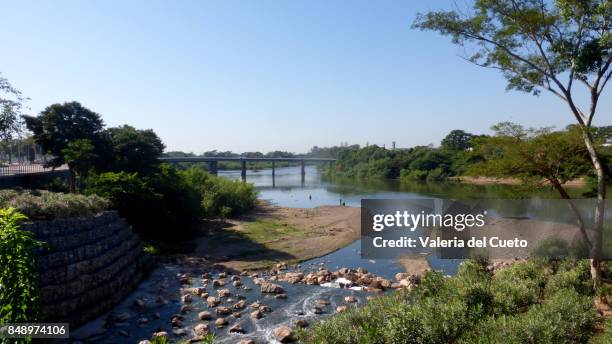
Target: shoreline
271 234
579 182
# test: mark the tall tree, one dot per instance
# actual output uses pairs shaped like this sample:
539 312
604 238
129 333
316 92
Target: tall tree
542 45
11 110
457 140
133 150
69 132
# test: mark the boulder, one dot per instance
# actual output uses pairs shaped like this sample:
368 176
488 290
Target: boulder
236 329
271 288
201 329
301 323
220 322
223 292
265 309
284 334
205 315
186 298
212 301
256 314
239 305
246 341
341 309
223 310
350 298
162 334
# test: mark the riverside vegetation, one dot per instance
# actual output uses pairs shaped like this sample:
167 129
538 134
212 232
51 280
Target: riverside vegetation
507 153
160 201
528 302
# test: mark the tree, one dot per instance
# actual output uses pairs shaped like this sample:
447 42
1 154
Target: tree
133 150
81 158
11 111
539 45
60 124
457 140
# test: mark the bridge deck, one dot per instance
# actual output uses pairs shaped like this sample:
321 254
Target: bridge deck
216 158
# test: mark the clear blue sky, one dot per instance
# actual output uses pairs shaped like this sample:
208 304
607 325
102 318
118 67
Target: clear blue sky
260 75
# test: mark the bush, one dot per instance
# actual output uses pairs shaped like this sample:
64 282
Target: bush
220 197
472 307
19 297
45 205
158 206
566 318
517 287
413 175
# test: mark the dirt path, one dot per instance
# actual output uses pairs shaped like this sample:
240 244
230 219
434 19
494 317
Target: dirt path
271 234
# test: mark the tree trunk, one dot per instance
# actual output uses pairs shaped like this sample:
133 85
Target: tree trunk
557 185
596 248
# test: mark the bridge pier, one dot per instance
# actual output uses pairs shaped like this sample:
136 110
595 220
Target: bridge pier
243 172
273 174
213 167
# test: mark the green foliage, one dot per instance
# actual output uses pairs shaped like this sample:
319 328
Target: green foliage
472 307
45 205
161 205
220 197
457 140
132 150
166 203
19 295
11 109
533 43
59 125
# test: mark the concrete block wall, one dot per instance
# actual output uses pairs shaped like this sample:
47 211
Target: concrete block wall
91 263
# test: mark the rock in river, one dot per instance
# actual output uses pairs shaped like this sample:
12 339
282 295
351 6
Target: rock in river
271 288
284 334
201 329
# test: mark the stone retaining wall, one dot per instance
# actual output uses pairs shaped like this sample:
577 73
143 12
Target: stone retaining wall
91 263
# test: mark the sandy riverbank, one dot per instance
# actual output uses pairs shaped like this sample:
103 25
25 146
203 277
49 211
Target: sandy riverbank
271 234
507 181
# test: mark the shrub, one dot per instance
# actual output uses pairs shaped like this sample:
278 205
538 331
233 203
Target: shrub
19 296
577 278
45 205
472 307
517 287
436 175
158 206
220 197
413 175
566 318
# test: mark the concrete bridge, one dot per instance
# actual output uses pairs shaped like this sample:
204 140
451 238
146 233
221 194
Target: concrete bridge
213 162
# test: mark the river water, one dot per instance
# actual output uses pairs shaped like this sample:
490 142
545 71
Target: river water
288 190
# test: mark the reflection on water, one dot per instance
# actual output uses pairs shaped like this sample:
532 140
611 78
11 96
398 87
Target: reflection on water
287 189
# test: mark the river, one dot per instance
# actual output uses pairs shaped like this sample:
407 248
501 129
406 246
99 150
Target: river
285 190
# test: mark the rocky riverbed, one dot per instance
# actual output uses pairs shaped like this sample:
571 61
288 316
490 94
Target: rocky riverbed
189 299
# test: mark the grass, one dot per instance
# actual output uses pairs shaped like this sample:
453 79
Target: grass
268 230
